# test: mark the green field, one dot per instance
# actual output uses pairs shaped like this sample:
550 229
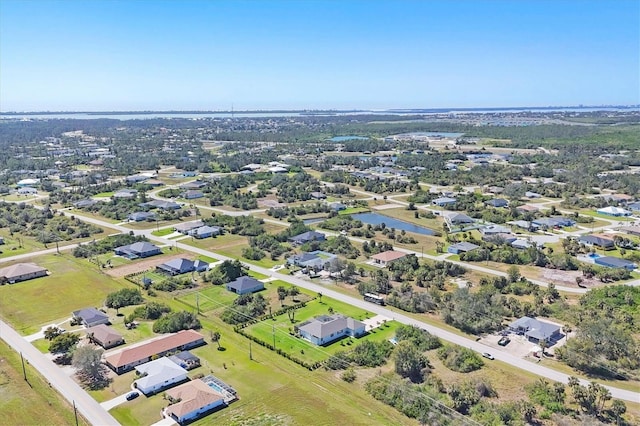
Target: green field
72 284
32 403
210 299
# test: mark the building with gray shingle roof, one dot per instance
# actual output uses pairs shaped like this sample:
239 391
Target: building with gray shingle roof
325 329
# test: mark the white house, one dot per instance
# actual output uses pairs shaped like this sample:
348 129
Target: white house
158 374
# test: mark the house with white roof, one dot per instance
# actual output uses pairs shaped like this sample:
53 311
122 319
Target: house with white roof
158 374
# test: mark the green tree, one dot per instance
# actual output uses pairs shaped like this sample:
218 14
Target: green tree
215 337
90 370
409 361
282 294
52 332
64 343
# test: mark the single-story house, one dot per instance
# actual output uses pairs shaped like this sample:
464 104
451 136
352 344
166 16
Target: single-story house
140 249
443 201
128 358
192 194
318 195
307 237
462 247
553 222
141 216
525 208
521 243
495 229
126 193
205 231
499 238
535 330
136 178
196 184
614 211
27 190
278 169
597 241
497 202
185 227
530 194
154 183
82 204
104 336
186 360
314 259
634 207
524 224
90 317
158 374
28 182
162 205
615 262
182 266
631 230
454 218
193 398
21 272
337 206
244 285
327 328
386 257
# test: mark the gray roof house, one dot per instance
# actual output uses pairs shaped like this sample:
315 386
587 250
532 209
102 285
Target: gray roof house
91 317
21 272
139 249
244 285
325 329
104 336
141 216
160 204
596 241
497 202
185 227
205 231
615 262
535 330
307 237
454 218
462 247
313 259
443 201
159 374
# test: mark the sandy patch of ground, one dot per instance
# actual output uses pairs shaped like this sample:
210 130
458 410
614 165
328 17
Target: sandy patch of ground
142 265
568 278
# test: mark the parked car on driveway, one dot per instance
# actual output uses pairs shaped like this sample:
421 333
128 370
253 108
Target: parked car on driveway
132 395
504 341
487 355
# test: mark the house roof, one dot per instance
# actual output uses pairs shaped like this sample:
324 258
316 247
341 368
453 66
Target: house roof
154 347
527 208
308 236
193 396
20 269
188 226
180 264
325 325
388 256
202 230
141 215
104 333
495 229
139 247
497 202
244 283
535 328
454 217
464 246
596 240
613 210
614 262
158 371
90 315
444 200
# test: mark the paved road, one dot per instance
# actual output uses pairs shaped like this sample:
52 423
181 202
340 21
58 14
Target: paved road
86 405
446 335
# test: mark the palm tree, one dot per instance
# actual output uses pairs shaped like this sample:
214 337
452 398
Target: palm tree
215 337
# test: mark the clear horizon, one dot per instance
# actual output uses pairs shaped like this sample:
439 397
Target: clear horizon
245 55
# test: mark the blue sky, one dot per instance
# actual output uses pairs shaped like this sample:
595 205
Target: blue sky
178 55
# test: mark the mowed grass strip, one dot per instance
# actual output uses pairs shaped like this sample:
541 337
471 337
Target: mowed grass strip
73 284
33 403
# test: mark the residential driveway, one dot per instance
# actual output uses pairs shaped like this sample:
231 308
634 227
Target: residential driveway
108 405
167 421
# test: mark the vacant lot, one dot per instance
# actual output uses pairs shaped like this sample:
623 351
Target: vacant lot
18 398
73 284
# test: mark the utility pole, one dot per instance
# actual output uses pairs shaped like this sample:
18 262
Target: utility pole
250 354
75 412
273 331
24 370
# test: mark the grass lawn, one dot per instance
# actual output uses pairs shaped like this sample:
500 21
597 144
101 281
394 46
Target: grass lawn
209 299
73 284
141 411
104 194
33 403
354 210
280 326
119 385
162 232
